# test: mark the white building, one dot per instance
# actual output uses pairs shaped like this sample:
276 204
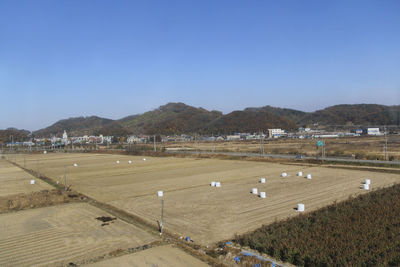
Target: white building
233 137
107 139
65 138
373 131
275 133
136 139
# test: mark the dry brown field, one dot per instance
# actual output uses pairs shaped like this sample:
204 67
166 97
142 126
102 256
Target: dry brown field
193 208
13 180
55 236
368 147
162 256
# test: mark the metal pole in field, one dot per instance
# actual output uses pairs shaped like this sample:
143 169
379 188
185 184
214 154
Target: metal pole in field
262 142
154 139
162 216
65 178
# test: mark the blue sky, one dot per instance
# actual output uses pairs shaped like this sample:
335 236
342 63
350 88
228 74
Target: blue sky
61 59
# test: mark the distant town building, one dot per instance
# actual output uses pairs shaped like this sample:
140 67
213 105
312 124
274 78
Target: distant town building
136 139
275 133
65 138
107 139
373 131
358 131
233 137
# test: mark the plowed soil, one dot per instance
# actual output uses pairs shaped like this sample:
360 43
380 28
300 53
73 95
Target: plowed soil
58 235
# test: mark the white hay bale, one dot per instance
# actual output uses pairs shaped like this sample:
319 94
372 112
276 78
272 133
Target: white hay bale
217 184
117 161
45 152
129 161
75 165
366 186
254 191
32 181
212 183
284 174
144 159
367 181
309 177
300 174
300 207
160 193
262 180
263 195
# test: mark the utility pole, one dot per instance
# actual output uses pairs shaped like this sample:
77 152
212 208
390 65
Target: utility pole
261 144
385 146
12 141
154 140
214 144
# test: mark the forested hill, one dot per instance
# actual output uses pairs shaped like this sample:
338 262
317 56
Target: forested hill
179 118
172 118
79 126
249 120
12 134
359 114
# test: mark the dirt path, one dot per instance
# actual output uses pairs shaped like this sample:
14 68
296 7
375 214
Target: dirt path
163 256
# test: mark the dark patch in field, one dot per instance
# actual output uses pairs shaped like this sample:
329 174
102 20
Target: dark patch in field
105 219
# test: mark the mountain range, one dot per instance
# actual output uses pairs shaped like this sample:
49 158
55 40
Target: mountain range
178 118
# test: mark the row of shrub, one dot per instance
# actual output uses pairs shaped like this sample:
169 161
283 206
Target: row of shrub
362 231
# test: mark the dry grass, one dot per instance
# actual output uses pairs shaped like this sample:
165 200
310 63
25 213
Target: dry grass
367 147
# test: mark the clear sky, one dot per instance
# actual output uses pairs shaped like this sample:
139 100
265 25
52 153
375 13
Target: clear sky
61 59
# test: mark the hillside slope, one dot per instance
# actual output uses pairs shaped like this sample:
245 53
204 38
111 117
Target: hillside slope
358 114
252 120
92 125
17 135
172 118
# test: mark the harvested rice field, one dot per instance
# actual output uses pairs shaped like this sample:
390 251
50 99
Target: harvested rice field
58 235
194 208
13 180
